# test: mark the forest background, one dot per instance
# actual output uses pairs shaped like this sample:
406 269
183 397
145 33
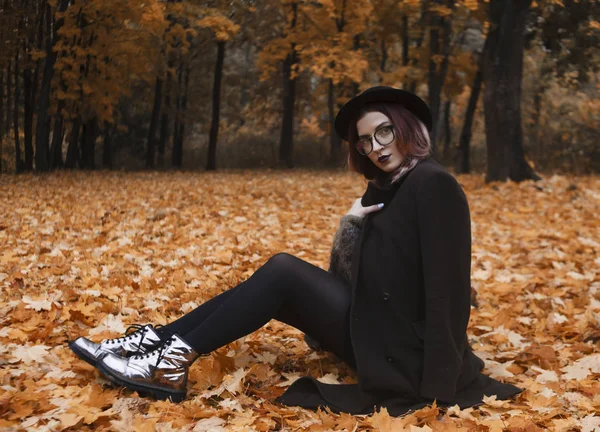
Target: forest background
185 86
256 83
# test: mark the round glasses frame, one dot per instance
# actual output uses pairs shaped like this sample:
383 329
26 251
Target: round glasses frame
383 141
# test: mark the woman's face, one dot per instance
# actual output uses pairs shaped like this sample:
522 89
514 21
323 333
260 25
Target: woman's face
366 127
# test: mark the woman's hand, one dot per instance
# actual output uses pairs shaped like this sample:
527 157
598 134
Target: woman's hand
360 211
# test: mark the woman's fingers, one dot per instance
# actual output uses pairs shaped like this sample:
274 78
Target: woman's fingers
360 211
373 208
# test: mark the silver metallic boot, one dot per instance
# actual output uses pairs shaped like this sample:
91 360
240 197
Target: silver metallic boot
140 341
163 372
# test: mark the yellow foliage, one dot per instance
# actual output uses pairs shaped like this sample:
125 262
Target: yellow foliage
472 5
440 10
153 18
97 64
37 54
223 27
311 126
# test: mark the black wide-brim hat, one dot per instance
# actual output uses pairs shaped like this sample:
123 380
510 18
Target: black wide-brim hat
408 100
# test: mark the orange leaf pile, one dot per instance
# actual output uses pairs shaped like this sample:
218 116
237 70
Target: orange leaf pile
87 254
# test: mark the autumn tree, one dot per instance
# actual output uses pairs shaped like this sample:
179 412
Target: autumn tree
567 35
44 158
135 75
95 67
502 75
330 50
280 55
13 35
224 29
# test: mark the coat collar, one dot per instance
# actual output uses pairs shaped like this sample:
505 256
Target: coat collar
377 194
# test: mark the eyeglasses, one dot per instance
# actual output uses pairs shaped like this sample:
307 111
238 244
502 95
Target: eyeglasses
384 136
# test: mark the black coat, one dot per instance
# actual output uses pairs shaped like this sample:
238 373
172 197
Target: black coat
411 289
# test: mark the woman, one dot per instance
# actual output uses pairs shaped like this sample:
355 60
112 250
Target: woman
395 307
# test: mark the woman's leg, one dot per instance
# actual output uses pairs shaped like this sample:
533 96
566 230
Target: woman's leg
192 319
285 288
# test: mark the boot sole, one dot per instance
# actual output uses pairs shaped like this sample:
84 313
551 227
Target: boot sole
82 355
156 392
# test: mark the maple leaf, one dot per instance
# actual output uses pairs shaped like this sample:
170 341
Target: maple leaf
37 304
545 375
590 423
424 428
498 370
232 383
491 401
68 420
290 379
329 378
581 368
109 323
231 404
213 424
29 354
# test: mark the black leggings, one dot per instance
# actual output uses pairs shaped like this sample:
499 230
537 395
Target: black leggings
286 288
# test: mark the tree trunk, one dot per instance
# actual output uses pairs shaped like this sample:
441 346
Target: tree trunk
1 116
156 108
7 123
73 150
184 100
537 131
355 47
419 41
107 146
30 83
28 95
42 137
154 122
384 57
502 75
18 161
244 89
177 156
405 46
463 165
433 82
177 153
56 160
164 122
447 129
437 75
335 142
83 156
286 142
211 163
88 144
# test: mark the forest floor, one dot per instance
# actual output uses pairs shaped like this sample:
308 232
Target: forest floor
87 254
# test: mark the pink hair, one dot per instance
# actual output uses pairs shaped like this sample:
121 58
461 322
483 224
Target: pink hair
412 139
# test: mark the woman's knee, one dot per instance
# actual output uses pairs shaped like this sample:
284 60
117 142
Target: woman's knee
281 267
282 260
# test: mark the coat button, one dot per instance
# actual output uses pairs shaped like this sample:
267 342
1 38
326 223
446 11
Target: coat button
385 296
390 359
354 317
